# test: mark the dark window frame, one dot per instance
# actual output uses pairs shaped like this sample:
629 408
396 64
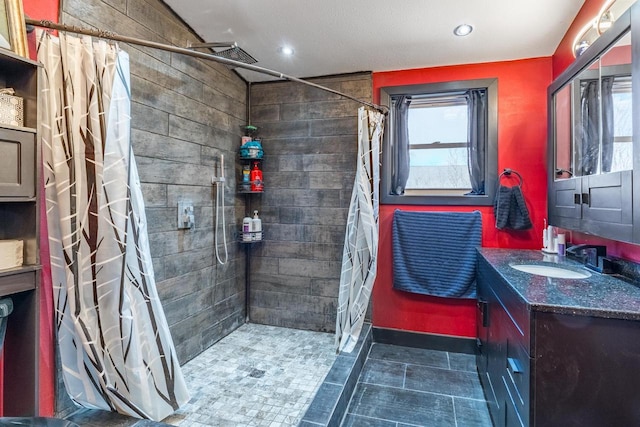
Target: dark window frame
491 174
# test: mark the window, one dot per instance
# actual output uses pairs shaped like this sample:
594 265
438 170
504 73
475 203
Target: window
440 144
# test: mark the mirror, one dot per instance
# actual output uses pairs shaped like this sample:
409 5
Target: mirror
563 133
616 151
593 187
592 125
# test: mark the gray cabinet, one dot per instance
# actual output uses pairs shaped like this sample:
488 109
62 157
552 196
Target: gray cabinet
594 137
19 219
597 204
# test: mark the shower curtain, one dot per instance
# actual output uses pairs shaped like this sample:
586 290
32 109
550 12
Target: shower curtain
359 258
116 350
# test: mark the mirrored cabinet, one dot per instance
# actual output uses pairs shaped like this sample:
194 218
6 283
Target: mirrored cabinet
592 137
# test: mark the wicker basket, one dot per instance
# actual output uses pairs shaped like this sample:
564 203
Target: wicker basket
11 108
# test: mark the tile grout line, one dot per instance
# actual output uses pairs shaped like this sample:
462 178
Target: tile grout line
455 416
422 391
404 375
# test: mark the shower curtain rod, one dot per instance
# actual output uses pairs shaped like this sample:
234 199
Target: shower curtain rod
141 42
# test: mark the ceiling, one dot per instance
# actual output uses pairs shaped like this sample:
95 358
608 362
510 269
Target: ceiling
343 36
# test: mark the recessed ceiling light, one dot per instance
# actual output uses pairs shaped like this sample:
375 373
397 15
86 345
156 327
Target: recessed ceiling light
286 50
463 30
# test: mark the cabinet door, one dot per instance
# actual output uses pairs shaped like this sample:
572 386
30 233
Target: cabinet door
564 202
607 204
512 416
586 371
17 164
482 322
496 360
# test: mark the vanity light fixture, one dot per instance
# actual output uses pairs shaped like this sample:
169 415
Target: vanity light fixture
605 17
582 41
463 30
605 21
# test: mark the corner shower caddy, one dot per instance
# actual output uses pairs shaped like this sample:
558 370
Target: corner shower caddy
248 193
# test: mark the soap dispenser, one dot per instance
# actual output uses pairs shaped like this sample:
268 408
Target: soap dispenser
256 227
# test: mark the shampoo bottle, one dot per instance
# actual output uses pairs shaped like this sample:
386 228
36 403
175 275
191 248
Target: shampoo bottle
247 224
256 227
256 178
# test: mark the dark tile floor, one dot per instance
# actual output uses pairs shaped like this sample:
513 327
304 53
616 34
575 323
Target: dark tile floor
403 386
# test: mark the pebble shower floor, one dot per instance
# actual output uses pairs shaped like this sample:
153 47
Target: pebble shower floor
256 376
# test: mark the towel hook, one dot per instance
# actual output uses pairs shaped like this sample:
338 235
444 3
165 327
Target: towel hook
508 172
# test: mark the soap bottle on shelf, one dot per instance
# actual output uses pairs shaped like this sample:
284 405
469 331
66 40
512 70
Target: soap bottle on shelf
256 178
247 225
246 181
256 227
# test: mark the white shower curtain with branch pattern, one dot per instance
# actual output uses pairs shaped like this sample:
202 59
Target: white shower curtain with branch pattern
360 254
116 350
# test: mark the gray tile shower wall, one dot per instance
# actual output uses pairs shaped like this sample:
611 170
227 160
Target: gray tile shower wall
310 142
185 113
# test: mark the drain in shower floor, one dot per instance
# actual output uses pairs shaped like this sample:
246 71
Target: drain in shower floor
256 373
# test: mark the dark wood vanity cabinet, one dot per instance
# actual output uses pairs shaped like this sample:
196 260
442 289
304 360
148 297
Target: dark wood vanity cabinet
585 371
540 368
503 360
19 220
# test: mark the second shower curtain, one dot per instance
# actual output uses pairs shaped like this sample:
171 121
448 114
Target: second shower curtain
360 254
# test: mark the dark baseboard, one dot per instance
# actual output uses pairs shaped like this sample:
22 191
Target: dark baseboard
424 340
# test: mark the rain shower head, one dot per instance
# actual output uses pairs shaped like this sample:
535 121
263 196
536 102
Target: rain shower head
234 52
237 54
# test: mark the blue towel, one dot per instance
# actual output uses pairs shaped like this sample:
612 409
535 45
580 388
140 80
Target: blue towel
434 253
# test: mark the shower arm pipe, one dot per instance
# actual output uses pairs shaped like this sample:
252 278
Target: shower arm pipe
103 34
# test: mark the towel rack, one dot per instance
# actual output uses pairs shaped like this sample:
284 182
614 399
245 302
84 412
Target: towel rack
508 172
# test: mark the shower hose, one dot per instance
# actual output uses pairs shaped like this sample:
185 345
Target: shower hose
220 201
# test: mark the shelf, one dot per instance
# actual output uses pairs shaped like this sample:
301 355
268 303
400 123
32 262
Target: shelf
17 199
20 281
18 128
239 237
249 242
17 270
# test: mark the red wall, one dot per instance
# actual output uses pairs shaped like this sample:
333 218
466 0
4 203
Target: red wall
44 9
522 123
522 135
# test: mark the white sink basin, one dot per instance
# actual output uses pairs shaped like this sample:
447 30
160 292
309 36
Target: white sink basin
551 271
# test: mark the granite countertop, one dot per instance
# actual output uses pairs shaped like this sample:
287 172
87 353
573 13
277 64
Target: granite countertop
599 295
